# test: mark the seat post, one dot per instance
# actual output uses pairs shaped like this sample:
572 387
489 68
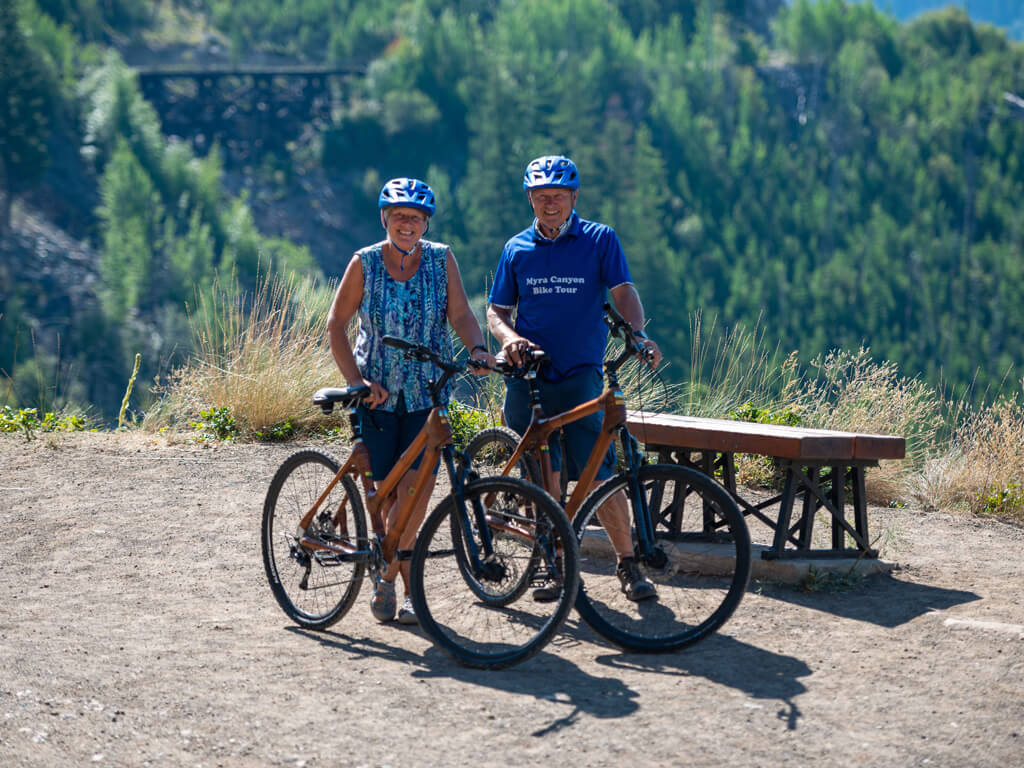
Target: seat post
353 421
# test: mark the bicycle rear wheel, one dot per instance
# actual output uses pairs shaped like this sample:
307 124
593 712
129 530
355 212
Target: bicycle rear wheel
700 565
491 448
448 576
315 587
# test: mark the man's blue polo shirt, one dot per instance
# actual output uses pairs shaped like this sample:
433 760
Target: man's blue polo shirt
559 287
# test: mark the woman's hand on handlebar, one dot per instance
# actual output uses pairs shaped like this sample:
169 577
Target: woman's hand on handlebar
479 357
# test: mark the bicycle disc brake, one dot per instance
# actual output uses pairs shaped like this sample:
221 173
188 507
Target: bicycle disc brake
492 569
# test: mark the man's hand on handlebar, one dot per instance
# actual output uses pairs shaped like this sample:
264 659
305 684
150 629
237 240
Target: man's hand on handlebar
515 348
652 353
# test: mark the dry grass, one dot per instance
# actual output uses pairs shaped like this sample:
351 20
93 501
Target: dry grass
261 355
734 370
982 467
730 368
850 392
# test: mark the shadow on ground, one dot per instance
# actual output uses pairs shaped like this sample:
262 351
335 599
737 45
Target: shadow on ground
547 676
880 599
723 660
551 677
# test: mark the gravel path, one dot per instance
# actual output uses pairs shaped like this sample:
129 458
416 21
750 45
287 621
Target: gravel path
137 628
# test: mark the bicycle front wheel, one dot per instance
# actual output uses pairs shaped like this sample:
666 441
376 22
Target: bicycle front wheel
460 587
699 564
490 450
315 586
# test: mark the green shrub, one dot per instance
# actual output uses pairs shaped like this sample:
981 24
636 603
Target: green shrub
27 421
1004 502
763 470
277 432
217 423
466 422
788 416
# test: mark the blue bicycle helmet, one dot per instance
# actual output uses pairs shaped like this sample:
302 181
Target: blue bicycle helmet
410 193
551 171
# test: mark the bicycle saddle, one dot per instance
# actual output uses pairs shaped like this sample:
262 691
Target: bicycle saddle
347 396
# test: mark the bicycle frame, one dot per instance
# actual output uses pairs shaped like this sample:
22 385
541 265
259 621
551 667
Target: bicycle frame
612 402
435 441
535 441
431 439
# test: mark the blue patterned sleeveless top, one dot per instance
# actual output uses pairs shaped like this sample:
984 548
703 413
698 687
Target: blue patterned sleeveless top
417 310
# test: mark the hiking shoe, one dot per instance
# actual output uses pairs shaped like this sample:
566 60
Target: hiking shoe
551 589
382 604
407 614
635 586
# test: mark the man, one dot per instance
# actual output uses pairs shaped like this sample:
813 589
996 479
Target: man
554 276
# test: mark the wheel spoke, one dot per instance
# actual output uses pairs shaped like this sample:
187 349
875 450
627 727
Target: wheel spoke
314 586
481 612
699 563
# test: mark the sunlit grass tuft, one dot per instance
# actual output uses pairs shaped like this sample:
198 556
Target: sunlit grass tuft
260 355
851 392
981 468
730 368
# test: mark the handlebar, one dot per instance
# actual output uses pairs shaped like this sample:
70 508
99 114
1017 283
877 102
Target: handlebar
422 354
533 360
619 327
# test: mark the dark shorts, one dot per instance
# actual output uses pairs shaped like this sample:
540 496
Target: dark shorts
556 397
387 434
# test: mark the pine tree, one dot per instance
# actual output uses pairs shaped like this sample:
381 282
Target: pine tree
133 222
25 96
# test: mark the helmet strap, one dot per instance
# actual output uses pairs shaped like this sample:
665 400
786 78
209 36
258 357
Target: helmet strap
384 223
401 266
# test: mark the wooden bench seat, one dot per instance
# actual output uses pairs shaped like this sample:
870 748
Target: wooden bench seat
811 460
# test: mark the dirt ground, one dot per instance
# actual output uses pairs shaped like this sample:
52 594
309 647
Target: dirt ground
137 628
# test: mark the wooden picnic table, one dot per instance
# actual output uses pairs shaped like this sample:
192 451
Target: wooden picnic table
817 465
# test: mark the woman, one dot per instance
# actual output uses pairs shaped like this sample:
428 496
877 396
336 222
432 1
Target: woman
408 287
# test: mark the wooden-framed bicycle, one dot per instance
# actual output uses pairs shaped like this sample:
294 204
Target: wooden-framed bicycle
474 552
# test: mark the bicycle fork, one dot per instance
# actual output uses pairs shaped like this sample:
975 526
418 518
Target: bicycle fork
486 566
647 550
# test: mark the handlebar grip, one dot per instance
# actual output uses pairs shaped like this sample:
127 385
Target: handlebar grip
533 359
613 314
617 324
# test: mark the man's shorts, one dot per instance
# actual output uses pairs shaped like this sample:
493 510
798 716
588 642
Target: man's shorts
387 434
555 398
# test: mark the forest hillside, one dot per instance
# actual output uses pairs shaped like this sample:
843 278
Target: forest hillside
820 170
